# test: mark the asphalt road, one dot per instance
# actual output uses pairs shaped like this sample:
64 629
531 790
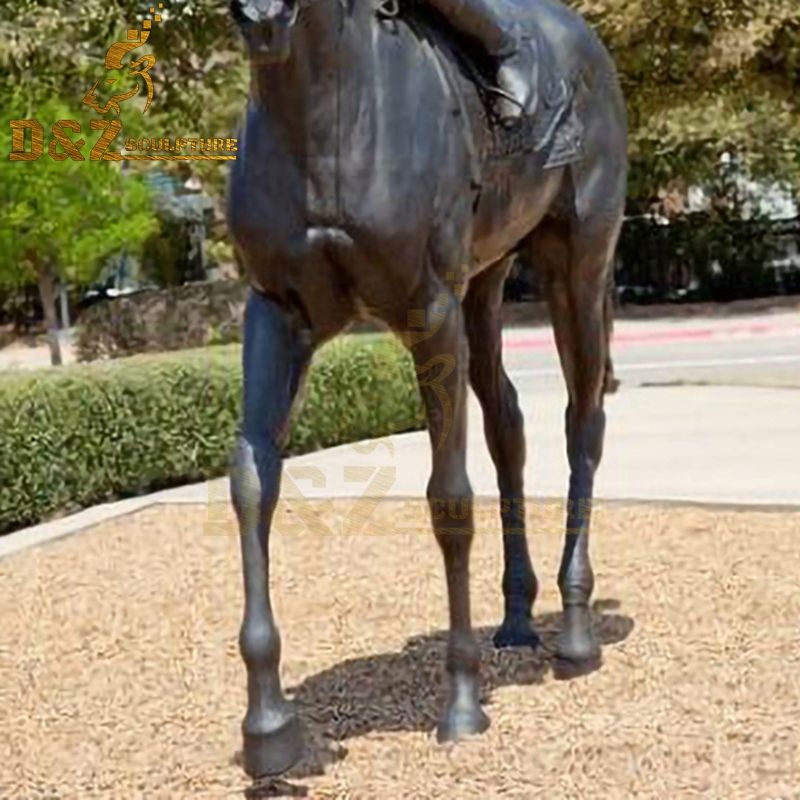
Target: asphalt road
757 351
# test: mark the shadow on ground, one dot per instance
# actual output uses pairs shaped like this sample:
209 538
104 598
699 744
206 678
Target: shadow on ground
401 691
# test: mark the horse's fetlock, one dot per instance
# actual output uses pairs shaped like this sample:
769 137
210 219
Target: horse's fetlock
576 585
259 643
463 654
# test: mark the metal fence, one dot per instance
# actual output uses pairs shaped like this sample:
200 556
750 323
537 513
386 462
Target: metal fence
696 258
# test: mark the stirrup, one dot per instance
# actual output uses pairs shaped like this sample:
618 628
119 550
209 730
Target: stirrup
506 121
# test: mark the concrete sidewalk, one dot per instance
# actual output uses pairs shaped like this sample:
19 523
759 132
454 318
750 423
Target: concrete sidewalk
706 444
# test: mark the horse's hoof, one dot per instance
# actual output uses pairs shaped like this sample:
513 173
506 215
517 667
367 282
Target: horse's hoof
275 751
565 669
577 650
459 722
516 631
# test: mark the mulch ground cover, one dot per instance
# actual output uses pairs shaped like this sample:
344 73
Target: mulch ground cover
120 675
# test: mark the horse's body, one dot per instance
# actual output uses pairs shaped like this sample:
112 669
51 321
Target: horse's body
366 158
364 185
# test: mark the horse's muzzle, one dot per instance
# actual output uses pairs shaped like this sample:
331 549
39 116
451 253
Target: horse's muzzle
266 26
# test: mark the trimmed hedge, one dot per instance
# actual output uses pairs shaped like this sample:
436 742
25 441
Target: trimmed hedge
81 435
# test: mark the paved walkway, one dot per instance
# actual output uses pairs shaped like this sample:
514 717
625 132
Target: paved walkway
22 355
706 444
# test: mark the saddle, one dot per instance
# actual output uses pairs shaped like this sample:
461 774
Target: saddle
553 130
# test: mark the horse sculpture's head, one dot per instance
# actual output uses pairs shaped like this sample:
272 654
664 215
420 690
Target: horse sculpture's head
266 26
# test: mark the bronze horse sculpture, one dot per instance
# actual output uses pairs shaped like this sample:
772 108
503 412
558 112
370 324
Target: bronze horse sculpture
372 179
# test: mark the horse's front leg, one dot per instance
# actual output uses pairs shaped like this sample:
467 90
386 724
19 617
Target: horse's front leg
275 358
441 356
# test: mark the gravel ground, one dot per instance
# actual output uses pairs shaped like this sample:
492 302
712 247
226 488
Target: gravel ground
120 675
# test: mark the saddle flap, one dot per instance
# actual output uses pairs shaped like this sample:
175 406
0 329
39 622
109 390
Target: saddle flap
551 127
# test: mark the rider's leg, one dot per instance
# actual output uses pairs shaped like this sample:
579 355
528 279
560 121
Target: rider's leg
492 25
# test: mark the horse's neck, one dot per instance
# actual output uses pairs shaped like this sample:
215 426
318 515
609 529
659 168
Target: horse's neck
332 55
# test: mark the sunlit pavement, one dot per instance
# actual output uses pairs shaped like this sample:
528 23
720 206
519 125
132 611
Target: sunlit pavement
708 444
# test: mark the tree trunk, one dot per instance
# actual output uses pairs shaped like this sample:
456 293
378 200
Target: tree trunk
47 290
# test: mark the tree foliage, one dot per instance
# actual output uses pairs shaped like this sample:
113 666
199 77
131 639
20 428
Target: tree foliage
67 214
701 77
51 50
705 77
59 219
48 48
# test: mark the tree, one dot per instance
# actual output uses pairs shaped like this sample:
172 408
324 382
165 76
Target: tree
53 49
60 219
703 78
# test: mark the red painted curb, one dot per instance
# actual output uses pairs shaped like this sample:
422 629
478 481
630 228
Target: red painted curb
645 337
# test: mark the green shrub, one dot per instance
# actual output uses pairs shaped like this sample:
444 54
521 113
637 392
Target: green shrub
702 257
82 435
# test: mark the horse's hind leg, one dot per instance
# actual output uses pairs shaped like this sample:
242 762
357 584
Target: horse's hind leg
574 258
505 435
441 357
275 357
611 383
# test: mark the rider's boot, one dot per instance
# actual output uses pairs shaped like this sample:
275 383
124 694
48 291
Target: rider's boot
491 24
517 79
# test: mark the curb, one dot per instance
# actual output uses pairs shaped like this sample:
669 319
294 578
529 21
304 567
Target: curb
45 532
202 493
526 341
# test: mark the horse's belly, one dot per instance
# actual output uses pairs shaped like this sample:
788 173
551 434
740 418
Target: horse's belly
511 205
